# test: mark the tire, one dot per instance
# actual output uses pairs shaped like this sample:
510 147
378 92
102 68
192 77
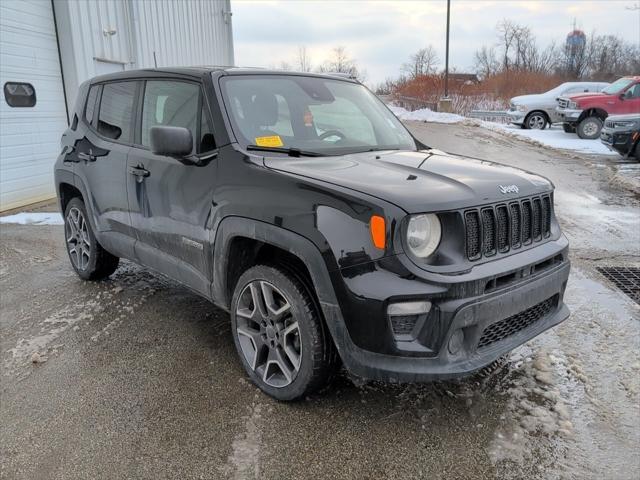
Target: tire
535 121
285 349
568 128
589 128
637 152
88 258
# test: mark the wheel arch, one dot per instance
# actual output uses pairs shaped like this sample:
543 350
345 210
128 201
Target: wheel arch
537 110
593 112
242 242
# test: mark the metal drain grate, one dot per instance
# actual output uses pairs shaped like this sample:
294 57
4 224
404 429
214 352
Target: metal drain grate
626 279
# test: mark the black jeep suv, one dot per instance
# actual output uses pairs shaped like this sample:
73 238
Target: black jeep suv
301 205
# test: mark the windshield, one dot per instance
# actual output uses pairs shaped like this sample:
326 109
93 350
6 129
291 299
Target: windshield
558 90
313 114
618 85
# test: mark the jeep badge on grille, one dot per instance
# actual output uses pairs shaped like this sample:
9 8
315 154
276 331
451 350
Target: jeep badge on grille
508 188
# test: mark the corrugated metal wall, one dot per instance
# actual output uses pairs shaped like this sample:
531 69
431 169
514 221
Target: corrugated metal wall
29 136
102 36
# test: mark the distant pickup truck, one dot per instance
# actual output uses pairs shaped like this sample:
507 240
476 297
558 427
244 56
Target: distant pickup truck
585 113
539 110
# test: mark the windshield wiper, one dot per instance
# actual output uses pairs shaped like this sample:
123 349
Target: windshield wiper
292 152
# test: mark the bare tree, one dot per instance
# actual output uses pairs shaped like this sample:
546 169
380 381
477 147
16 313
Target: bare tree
341 62
303 62
423 62
485 61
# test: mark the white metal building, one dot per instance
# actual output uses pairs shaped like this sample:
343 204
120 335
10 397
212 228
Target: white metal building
49 47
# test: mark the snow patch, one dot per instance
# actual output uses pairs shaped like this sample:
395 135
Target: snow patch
244 461
426 115
34 218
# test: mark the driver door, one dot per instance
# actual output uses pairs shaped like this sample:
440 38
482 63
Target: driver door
169 200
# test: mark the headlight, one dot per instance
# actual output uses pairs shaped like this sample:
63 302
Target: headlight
573 105
624 123
521 108
423 234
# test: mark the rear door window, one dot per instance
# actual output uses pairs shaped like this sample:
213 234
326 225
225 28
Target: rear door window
116 109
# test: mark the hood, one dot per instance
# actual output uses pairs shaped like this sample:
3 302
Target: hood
576 97
531 99
424 181
627 116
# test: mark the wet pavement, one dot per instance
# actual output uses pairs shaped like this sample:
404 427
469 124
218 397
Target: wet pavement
138 377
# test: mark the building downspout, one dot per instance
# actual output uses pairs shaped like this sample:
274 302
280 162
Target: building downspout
64 88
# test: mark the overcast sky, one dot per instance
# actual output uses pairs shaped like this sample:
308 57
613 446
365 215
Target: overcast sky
381 35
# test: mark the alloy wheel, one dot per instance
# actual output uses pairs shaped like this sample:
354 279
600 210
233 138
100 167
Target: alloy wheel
268 334
78 240
590 128
536 122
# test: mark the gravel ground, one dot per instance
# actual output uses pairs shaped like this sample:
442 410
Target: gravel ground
138 377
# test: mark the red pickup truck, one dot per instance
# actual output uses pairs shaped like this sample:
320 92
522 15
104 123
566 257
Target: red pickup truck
584 113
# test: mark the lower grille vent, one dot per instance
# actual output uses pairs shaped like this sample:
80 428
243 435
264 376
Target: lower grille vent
516 323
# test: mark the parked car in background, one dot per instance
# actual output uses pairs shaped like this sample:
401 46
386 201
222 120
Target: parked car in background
585 114
539 110
621 133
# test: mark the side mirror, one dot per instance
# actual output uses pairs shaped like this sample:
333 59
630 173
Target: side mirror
174 142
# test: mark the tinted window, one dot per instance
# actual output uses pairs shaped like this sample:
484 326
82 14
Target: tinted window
207 141
635 91
116 107
169 103
18 94
91 103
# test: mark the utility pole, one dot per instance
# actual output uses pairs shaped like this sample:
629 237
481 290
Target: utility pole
446 66
445 104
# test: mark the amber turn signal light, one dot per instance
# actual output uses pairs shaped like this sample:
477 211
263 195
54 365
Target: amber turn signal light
378 231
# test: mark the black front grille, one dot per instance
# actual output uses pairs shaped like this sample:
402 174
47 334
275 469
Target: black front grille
507 226
515 323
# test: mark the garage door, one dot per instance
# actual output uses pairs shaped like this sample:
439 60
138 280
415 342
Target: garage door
29 133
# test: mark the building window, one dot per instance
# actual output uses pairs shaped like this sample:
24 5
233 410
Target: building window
19 94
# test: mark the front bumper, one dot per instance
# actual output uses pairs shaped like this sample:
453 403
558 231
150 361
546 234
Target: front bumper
463 317
516 117
568 115
621 142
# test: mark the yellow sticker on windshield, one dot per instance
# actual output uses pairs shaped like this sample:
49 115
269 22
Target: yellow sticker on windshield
272 141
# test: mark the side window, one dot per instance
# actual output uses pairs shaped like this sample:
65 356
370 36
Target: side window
116 107
169 103
207 141
91 103
635 91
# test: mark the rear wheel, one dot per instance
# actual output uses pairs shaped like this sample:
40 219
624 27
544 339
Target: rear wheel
569 128
88 258
589 128
536 121
279 334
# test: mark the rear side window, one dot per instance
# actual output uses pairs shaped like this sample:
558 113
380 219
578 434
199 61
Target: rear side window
19 94
169 103
91 103
116 108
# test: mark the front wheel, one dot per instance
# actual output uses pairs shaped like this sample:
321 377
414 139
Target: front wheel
637 154
589 128
536 121
279 334
88 258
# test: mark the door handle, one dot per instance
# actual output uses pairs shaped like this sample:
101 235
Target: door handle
87 157
139 172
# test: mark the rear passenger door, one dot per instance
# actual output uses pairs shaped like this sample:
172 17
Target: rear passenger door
169 200
101 156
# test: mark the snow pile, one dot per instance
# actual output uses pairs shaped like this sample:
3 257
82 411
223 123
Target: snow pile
554 137
34 218
426 115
